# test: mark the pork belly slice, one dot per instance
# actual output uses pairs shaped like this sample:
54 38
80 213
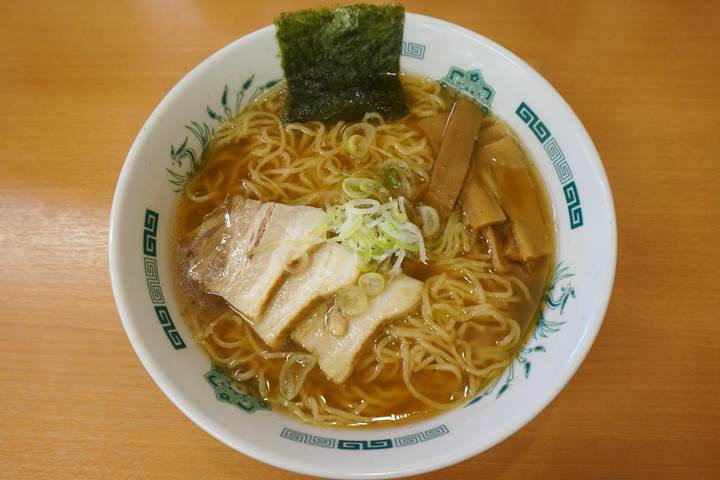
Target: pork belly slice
331 267
337 354
244 258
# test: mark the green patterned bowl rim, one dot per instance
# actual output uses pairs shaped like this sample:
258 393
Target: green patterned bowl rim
170 147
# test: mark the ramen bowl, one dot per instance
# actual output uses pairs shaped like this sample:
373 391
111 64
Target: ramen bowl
170 145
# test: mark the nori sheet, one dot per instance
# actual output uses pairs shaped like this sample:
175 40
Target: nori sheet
343 62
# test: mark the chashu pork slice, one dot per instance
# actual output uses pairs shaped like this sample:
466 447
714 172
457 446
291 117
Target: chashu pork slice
331 267
243 254
336 354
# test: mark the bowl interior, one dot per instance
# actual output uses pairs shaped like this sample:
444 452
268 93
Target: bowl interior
157 166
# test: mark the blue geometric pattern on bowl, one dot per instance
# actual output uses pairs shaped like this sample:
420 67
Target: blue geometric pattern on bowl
413 50
377 444
470 82
227 391
557 157
152 278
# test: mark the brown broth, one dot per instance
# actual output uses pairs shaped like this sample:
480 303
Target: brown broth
199 308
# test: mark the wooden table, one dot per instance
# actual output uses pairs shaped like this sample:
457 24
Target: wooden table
78 79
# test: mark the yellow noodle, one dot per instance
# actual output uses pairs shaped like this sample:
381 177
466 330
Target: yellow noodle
253 154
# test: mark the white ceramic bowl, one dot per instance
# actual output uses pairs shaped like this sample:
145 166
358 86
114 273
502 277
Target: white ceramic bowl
574 307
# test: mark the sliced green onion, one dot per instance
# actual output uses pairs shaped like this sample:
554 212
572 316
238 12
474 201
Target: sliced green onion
335 322
373 188
293 373
430 220
375 231
351 300
357 188
398 211
348 228
354 145
392 177
362 206
352 187
372 283
357 139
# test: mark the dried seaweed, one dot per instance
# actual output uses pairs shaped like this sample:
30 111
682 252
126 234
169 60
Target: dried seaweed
341 63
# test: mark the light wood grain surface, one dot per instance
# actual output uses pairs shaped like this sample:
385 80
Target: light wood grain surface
77 81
